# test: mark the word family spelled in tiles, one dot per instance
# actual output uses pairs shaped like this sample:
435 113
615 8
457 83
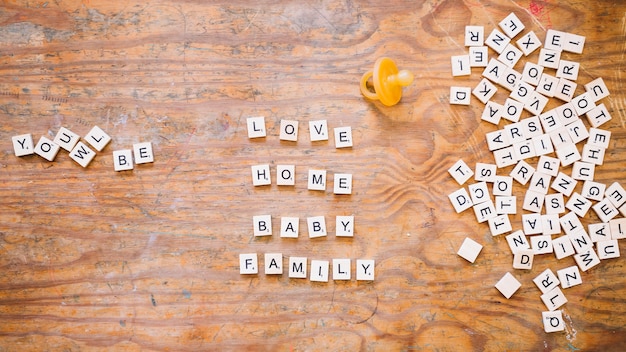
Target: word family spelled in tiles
553 154
301 268
82 151
315 226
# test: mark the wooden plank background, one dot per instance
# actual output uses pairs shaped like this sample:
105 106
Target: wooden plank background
95 260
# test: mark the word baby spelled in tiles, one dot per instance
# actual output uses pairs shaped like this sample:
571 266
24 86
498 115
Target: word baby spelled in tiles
80 152
316 225
565 152
290 226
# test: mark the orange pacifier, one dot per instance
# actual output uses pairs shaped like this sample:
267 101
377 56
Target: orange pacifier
388 82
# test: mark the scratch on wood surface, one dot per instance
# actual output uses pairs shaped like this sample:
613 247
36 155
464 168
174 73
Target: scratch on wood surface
371 315
619 103
322 16
620 107
569 327
485 10
474 145
250 21
445 31
623 42
54 99
11 94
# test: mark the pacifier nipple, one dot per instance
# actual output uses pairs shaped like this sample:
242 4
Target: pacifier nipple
403 78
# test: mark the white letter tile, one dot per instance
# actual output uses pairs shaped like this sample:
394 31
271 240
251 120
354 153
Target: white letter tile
97 138
460 172
248 264
365 270
554 299
317 180
531 223
342 184
608 249
497 41
256 127
82 154
318 130
508 285
562 247
460 200
511 25
460 65
553 321
123 160
569 276
546 281
285 175
66 139
316 226
523 259
597 89
273 263
297 267
469 250
47 149
460 95
517 241
587 259
289 130
344 226
341 269
262 225
529 43
143 153
343 137
23 144
600 232
319 270
261 175
289 227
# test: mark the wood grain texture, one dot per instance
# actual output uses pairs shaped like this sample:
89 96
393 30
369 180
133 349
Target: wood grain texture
95 260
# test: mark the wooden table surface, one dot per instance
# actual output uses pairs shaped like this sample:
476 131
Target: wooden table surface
92 259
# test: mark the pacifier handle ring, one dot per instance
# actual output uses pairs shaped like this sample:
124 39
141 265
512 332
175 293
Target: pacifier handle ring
366 92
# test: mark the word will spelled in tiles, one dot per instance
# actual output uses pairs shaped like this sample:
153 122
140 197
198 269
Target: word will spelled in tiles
555 154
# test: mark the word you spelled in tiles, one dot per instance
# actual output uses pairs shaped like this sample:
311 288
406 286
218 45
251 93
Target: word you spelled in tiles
554 153
80 151
300 267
